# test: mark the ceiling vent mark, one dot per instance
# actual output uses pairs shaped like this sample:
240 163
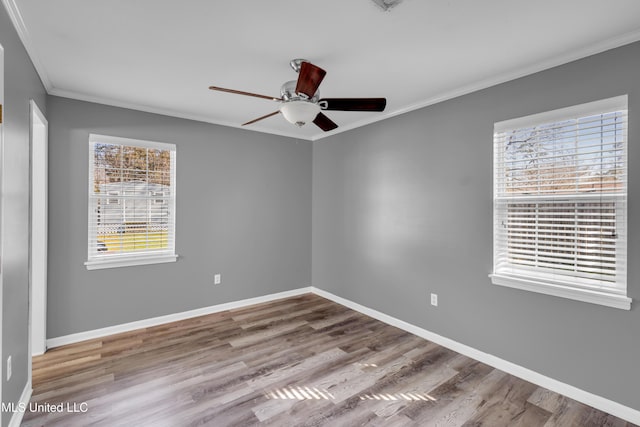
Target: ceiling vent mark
386 5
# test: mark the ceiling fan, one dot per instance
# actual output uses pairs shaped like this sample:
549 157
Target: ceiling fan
300 99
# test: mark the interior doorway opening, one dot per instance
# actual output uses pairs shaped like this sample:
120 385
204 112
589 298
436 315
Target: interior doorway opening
39 218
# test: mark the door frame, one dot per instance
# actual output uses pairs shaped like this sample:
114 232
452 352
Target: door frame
38 217
1 205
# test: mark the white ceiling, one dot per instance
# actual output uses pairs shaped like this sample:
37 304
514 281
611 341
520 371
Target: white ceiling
161 56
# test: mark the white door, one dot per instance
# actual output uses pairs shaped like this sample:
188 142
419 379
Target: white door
38 297
1 198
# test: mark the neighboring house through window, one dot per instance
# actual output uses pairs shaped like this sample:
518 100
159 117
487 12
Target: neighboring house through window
131 202
112 198
560 203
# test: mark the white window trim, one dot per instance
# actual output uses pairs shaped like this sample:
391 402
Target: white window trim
538 282
556 289
131 259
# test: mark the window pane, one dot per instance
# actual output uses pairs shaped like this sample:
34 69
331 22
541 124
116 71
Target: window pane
132 197
560 199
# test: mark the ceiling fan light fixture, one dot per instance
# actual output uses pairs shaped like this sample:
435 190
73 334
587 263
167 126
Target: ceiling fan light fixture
299 112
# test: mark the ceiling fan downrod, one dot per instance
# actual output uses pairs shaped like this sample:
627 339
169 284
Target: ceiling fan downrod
296 64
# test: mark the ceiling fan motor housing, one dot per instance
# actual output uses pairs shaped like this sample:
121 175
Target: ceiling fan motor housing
297 108
288 93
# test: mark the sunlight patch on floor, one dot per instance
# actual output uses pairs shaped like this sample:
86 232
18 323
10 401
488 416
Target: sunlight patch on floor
299 393
366 365
410 397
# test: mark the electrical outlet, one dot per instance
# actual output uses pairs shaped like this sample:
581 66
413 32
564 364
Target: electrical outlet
8 368
217 279
434 299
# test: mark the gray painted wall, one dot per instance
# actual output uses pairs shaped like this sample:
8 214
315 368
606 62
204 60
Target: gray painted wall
21 84
403 208
243 210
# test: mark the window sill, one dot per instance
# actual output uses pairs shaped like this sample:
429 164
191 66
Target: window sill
584 295
129 261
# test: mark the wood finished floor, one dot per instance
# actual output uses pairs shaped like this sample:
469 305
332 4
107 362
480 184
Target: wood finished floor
301 361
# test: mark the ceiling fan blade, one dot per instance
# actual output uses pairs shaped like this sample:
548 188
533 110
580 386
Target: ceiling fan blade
324 122
355 104
260 118
309 79
239 92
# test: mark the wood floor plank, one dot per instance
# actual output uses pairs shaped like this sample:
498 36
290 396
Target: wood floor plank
505 404
299 361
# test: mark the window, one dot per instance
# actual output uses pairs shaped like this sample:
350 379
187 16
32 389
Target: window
560 203
131 202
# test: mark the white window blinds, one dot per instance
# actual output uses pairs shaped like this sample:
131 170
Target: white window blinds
131 202
560 190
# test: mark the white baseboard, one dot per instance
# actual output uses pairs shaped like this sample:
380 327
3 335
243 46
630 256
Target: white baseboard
598 402
160 320
16 418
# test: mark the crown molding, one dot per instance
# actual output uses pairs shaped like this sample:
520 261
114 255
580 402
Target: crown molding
556 61
163 111
25 37
612 43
